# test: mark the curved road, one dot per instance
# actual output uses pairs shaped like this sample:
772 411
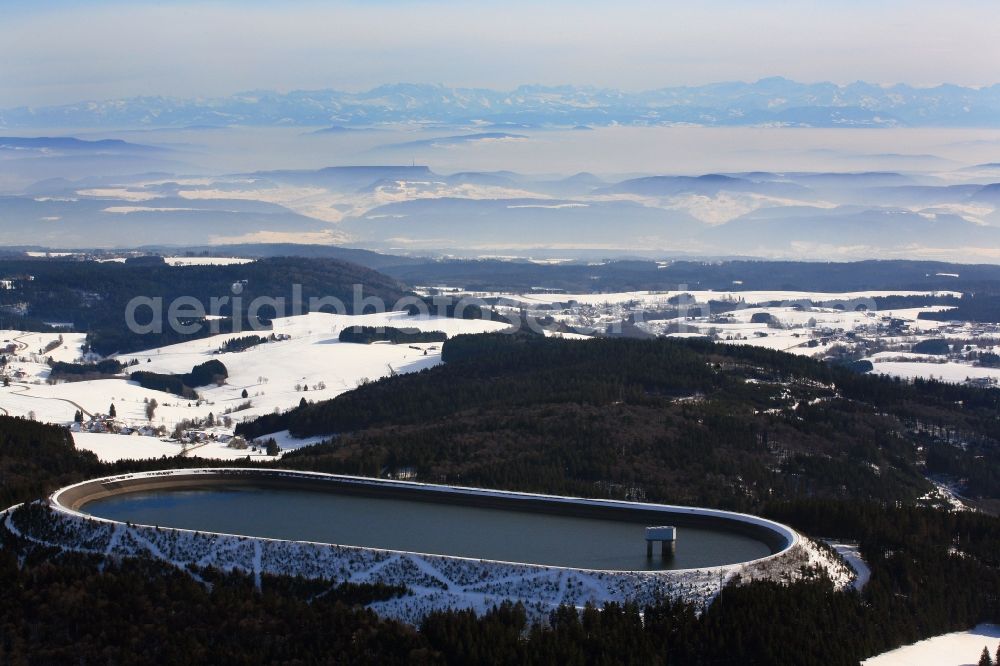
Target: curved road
39 397
21 345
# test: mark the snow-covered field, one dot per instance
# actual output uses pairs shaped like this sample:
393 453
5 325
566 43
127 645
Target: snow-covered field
703 296
206 261
33 343
311 357
961 648
172 261
811 331
798 315
816 324
112 447
950 371
312 364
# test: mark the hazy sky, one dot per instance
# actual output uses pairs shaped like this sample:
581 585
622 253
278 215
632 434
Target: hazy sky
71 50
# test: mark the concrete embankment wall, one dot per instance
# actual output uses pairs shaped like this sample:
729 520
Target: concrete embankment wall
776 536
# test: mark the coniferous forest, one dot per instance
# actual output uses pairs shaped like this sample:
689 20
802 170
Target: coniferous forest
690 422
660 420
931 572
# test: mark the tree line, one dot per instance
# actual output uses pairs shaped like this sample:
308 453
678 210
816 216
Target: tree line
366 335
203 374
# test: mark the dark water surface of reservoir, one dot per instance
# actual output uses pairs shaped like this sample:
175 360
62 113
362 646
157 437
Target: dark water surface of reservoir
425 527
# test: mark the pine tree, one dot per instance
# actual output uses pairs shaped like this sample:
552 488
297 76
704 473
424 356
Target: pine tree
112 412
272 448
244 394
985 659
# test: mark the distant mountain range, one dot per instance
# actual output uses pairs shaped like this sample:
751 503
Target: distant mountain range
772 101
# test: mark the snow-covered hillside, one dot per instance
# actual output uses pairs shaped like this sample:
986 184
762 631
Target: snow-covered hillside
306 361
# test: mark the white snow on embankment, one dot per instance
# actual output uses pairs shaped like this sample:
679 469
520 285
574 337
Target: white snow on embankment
960 648
852 556
945 493
437 582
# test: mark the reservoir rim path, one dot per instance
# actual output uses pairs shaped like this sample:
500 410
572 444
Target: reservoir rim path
71 499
